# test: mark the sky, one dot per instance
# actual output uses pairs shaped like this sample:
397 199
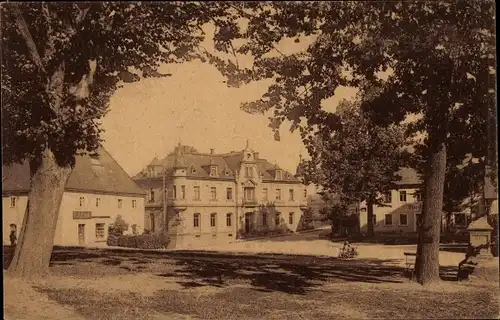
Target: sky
196 108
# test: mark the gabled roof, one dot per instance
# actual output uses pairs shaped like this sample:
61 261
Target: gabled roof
198 166
408 176
101 174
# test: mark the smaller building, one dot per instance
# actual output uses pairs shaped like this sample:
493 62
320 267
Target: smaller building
401 209
97 191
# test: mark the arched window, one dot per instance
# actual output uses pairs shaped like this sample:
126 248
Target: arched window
213 218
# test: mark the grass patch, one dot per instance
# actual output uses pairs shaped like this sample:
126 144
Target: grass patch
334 301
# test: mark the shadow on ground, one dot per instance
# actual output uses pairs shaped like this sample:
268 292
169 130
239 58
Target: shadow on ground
288 274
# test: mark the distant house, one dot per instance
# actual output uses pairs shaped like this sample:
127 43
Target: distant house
401 209
202 198
97 191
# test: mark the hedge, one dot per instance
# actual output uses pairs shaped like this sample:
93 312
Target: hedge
143 241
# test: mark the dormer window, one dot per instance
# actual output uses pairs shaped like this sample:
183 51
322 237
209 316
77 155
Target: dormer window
152 171
248 172
279 175
213 171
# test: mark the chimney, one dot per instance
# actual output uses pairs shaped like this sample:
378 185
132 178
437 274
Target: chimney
212 151
256 155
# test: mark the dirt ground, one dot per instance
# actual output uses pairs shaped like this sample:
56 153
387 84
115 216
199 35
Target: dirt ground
94 284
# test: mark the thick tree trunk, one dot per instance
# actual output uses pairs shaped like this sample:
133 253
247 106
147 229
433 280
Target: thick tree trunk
369 205
33 251
427 262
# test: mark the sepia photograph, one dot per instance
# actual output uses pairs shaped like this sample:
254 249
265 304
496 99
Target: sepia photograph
249 160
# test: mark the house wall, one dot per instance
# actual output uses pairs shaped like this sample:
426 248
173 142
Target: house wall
12 215
180 212
411 207
67 229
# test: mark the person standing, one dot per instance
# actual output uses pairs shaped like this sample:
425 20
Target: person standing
13 235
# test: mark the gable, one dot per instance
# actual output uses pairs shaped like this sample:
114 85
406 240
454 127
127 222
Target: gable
249 184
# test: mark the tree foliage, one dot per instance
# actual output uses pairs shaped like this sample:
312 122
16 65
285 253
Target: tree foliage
110 43
359 160
441 58
61 62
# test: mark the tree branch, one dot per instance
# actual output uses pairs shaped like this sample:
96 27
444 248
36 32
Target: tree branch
26 34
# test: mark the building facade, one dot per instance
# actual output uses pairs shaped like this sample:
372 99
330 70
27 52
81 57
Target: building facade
402 207
97 191
202 198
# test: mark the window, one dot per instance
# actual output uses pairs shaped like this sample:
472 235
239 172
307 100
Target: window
13 202
403 219
120 203
196 220
264 218
229 193
418 196
183 192
460 219
99 231
374 220
228 219
402 196
134 203
213 193
196 193
279 175
305 193
278 194
152 221
213 217
249 193
174 192
213 171
264 194
82 201
98 202
248 172
290 195
418 217
290 218
388 220
387 197
278 219
151 195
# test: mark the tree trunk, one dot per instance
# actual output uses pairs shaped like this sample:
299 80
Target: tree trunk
427 262
33 251
369 205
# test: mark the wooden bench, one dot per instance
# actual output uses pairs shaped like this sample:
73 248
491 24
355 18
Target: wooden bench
410 258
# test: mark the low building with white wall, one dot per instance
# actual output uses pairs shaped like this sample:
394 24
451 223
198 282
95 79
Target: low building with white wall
97 191
401 209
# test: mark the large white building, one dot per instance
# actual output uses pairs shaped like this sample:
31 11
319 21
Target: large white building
202 198
97 191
